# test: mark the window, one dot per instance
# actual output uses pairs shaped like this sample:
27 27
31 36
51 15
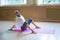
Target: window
43 2
12 2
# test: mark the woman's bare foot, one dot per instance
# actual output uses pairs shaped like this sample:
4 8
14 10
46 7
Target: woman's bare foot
34 32
37 27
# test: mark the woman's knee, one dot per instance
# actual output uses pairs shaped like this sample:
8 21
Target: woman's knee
30 20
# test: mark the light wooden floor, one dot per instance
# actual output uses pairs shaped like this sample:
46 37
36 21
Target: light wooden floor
9 35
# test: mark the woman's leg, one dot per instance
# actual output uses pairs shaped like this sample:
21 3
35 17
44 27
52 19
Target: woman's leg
32 21
31 29
35 24
25 26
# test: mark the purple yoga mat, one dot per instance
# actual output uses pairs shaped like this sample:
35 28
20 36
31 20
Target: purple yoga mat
37 30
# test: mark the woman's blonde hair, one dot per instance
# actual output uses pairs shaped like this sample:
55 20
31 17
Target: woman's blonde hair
17 11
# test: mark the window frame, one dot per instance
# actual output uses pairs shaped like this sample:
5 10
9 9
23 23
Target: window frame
4 4
51 3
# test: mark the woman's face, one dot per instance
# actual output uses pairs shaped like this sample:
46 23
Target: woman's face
17 14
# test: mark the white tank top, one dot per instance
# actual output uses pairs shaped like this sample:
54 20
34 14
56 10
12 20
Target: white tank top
19 21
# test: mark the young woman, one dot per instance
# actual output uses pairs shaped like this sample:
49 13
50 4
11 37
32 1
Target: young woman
22 23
